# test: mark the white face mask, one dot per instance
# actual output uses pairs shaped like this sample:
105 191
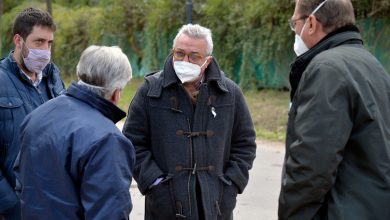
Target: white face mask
299 45
186 71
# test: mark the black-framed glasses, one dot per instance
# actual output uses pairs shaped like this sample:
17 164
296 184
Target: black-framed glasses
293 22
193 57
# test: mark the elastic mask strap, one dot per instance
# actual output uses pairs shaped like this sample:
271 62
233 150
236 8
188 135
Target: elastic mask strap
204 62
300 35
318 7
314 11
81 82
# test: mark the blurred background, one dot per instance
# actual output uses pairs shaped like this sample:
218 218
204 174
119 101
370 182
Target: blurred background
253 42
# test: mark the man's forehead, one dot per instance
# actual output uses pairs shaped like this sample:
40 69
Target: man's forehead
296 11
41 32
190 44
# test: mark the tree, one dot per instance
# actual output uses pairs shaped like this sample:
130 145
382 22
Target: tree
1 8
48 5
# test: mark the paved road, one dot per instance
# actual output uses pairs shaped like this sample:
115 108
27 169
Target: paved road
260 198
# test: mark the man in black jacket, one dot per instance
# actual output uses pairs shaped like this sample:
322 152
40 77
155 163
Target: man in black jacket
337 161
193 134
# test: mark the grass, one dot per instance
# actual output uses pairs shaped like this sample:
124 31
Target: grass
268 108
128 93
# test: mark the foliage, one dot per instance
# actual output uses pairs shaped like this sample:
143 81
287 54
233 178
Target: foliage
77 28
161 24
253 43
372 8
251 36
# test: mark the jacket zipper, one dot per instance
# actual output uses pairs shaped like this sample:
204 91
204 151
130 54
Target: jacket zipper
39 94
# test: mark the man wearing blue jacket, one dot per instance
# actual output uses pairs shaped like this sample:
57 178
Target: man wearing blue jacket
27 80
74 163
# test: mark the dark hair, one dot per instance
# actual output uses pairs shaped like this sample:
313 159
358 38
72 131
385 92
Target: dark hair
332 15
30 17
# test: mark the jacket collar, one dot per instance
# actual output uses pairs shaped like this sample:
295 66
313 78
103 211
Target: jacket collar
344 35
212 73
107 108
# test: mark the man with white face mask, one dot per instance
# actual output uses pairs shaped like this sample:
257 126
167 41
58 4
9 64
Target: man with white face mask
338 137
27 80
193 134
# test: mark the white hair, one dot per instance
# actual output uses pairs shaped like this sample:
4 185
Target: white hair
198 32
103 70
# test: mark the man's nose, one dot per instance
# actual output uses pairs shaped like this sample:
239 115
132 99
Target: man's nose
186 58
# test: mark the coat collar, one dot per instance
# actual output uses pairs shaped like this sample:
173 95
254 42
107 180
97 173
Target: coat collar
344 35
107 108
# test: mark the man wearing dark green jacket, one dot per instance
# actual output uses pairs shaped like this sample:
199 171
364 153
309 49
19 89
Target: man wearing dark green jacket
337 163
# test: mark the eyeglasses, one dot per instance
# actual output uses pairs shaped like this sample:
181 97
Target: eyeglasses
193 57
293 22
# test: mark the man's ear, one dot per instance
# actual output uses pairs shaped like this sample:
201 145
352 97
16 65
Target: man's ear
116 95
18 41
313 24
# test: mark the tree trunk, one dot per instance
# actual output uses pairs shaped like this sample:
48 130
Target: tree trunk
1 14
50 10
48 5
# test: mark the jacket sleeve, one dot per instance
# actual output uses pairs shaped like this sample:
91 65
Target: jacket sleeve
8 198
137 130
8 103
321 129
243 143
106 178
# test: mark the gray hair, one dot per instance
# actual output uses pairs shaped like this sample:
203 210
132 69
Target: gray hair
332 15
197 32
103 70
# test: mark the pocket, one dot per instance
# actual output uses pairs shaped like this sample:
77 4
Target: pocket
8 107
7 104
228 198
158 201
10 102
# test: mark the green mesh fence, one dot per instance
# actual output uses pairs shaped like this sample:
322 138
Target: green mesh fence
244 67
376 35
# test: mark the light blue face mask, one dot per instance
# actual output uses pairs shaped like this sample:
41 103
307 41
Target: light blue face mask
299 45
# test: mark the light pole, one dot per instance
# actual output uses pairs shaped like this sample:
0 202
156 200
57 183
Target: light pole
189 11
